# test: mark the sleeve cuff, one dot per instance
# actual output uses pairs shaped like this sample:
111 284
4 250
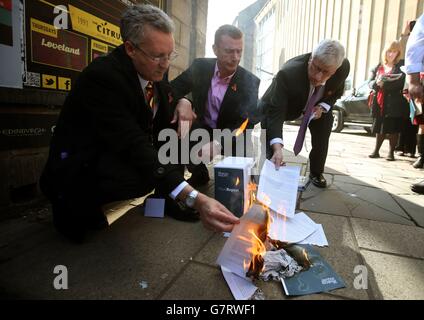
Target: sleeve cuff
174 194
276 140
414 68
325 106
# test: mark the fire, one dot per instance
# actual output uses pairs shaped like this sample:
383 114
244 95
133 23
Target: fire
305 255
242 128
237 182
251 188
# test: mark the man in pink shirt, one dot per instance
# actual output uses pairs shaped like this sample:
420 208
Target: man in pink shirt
224 94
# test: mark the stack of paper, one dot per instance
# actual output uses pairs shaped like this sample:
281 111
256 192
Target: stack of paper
278 189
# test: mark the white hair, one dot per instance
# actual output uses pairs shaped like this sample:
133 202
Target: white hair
329 52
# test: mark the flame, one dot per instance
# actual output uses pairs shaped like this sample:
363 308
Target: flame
242 128
237 181
305 254
257 250
251 188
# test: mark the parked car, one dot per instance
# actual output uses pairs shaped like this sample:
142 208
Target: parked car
352 109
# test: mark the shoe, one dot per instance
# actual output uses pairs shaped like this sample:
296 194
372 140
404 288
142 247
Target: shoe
419 164
418 187
374 155
318 180
199 177
390 157
400 153
180 212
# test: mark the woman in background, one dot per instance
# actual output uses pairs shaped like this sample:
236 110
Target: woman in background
389 107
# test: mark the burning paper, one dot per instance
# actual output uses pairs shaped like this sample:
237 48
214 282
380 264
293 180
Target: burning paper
277 265
237 254
278 189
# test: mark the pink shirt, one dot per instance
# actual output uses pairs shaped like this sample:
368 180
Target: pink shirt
216 95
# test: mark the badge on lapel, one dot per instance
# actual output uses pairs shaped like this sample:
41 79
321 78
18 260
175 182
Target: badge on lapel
234 87
170 97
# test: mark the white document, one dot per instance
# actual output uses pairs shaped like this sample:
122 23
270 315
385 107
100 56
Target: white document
318 238
241 288
236 254
155 208
278 189
292 230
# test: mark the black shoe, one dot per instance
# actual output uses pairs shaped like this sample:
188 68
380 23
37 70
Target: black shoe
374 155
418 187
180 212
199 177
390 157
318 180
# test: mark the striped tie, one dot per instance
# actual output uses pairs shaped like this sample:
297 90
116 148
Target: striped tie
150 95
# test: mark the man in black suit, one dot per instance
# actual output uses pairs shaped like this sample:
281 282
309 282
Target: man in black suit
224 94
319 76
105 146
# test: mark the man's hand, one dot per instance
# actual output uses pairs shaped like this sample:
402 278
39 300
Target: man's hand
277 158
214 215
317 111
184 113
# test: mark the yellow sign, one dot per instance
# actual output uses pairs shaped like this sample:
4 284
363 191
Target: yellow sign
44 28
95 27
64 84
48 81
99 46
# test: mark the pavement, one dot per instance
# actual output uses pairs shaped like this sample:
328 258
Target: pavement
370 217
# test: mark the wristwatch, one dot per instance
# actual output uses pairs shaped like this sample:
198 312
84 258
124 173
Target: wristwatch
191 198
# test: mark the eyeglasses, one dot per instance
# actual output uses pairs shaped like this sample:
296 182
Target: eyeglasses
318 69
158 59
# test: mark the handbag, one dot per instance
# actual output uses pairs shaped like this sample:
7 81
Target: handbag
371 98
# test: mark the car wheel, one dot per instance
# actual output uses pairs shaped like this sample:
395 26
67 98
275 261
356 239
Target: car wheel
338 121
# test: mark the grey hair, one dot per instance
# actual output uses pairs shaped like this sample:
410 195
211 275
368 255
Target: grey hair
329 52
135 19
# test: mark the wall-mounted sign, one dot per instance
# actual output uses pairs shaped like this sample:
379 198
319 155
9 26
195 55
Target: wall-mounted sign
58 48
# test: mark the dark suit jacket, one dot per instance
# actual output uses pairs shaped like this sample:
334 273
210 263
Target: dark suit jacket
286 98
106 113
240 100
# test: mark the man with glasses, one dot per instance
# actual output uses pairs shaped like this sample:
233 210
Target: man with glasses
224 94
308 84
105 146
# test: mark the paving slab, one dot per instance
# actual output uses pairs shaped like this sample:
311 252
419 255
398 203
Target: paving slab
397 277
389 238
341 253
113 262
414 207
328 201
199 282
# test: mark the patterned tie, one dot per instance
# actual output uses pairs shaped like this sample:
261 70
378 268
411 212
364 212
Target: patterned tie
150 95
302 130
